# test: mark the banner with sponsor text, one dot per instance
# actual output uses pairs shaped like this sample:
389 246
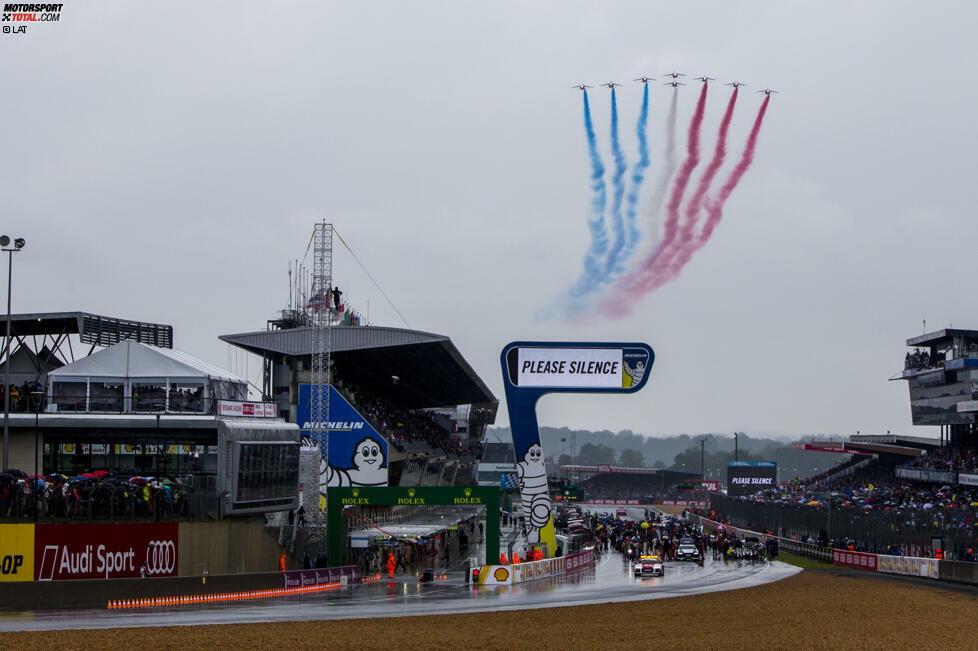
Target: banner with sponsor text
909 566
105 551
320 576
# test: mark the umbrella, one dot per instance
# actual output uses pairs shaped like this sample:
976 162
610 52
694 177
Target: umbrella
20 474
88 475
100 473
137 480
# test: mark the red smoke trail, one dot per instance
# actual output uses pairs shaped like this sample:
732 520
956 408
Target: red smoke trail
685 247
714 207
620 302
636 282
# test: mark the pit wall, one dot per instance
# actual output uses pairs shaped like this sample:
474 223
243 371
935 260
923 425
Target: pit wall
931 568
229 547
533 570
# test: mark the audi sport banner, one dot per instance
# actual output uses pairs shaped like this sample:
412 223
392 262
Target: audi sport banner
104 551
748 477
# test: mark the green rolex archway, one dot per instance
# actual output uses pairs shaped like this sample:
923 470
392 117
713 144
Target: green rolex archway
338 498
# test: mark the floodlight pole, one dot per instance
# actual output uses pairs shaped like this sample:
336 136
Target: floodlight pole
37 479
156 497
6 391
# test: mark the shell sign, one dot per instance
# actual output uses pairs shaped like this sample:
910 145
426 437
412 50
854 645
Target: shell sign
501 574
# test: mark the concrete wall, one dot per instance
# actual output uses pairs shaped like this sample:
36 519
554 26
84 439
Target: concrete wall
21 450
97 593
235 546
959 571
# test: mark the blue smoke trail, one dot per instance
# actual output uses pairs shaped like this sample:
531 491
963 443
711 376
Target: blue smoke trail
618 181
638 177
599 238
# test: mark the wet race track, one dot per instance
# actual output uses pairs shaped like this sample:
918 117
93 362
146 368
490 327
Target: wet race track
610 581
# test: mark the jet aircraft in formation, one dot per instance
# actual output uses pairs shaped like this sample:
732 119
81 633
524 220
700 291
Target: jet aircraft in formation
645 79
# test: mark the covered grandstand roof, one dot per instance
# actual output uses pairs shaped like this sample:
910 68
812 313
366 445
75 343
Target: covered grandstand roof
415 369
941 336
853 447
92 329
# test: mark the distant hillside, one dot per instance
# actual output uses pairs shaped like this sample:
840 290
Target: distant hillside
675 451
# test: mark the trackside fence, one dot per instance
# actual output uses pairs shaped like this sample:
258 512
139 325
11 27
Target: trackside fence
874 530
931 568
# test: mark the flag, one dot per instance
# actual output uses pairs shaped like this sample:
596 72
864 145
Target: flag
317 301
508 482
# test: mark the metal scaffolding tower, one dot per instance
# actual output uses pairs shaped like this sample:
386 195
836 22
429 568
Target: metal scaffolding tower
322 285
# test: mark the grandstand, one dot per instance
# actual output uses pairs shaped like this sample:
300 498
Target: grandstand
413 387
605 481
941 372
905 494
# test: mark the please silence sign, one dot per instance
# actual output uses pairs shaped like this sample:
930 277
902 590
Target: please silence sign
584 367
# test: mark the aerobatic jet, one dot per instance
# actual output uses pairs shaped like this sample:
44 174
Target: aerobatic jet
736 84
611 84
767 91
582 86
675 75
644 79
705 79
674 84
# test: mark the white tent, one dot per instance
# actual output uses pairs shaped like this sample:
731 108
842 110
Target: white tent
132 376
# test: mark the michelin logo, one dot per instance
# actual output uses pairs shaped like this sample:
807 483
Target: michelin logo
341 426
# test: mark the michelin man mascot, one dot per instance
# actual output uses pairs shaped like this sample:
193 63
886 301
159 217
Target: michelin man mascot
634 375
532 475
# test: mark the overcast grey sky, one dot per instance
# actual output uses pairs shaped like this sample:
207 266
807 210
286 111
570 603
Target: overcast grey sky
165 161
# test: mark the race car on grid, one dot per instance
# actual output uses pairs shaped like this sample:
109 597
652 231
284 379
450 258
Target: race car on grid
649 566
687 550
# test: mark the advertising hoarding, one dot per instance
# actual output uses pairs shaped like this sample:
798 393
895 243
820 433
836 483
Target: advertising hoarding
104 551
247 409
857 560
357 451
16 552
532 369
748 477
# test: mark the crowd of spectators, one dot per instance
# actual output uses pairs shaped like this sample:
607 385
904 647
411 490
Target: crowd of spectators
890 508
402 425
919 359
27 397
92 495
950 458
